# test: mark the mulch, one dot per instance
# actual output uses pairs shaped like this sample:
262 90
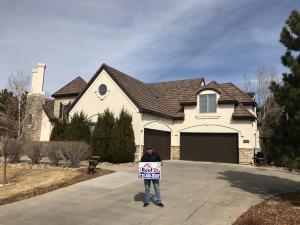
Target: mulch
283 209
82 176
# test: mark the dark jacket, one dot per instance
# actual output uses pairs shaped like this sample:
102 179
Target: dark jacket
154 157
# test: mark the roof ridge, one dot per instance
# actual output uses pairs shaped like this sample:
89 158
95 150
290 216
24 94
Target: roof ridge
169 81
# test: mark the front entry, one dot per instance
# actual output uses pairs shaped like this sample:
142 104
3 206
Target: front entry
160 141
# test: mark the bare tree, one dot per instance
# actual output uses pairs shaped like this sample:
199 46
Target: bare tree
4 148
248 84
18 84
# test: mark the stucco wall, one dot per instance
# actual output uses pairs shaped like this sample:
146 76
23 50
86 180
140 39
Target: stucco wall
46 128
115 99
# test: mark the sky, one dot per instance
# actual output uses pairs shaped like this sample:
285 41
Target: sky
158 40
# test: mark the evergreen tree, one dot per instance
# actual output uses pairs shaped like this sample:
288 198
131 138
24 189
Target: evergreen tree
123 144
79 128
59 131
285 141
102 136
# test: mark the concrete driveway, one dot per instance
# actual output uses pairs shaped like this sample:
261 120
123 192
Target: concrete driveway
193 193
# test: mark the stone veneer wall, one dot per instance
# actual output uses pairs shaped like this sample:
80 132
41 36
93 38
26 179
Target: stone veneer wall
34 106
245 156
175 152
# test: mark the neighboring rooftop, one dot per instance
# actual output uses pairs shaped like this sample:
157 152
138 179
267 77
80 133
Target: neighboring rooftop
71 89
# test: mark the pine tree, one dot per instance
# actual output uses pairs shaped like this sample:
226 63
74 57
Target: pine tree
285 141
59 131
79 128
123 144
102 136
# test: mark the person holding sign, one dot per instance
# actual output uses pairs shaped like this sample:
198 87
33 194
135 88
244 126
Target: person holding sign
151 156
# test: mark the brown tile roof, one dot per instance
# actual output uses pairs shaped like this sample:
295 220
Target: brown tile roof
167 98
49 108
240 112
71 89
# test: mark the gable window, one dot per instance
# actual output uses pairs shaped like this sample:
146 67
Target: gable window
63 110
102 89
208 103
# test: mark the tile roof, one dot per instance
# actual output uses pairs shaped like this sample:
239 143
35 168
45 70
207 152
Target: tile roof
49 108
167 98
240 112
71 89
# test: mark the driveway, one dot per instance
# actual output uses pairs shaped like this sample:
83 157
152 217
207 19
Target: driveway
193 193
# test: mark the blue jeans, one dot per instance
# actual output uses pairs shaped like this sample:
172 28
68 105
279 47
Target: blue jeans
147 184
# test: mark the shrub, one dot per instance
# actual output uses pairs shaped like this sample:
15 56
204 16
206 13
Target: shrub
123 144
34 151
59 130
14 151
73 152
102 136
53 152
79 128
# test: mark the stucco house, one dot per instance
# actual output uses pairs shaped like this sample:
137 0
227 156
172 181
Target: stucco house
183 119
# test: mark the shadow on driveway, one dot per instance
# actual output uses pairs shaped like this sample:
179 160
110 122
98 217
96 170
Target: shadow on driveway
139 197
263 185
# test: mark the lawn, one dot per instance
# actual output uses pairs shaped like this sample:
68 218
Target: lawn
283 209
26 182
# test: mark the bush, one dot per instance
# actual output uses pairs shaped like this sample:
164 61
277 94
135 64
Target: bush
34 151
53 152
14 151
123 145
79 128
59 130
102 136
73 152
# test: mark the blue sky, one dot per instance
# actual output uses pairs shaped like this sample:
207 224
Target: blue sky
157 40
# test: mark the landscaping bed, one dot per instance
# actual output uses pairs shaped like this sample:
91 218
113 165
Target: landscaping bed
283 209
25 181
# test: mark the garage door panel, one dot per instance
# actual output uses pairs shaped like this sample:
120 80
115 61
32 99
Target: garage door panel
160 140
212 147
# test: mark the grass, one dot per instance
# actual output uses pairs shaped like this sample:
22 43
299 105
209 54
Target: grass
283 209
28 182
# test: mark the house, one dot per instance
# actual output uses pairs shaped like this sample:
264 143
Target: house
182 119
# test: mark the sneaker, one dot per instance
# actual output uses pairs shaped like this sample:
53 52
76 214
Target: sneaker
146 204
160 204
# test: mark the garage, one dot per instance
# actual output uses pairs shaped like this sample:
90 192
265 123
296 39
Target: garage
210 147
160 140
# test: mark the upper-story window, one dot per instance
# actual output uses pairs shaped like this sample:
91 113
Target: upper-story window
208 103
63 109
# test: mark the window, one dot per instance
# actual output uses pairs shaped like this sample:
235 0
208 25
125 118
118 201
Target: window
208 103
63 111
102 89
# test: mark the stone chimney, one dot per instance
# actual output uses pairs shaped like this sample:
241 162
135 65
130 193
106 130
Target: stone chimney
34 105
37 81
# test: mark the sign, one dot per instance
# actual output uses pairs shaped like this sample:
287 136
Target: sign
149 170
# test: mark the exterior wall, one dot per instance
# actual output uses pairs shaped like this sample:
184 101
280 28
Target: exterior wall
57 104
46 128
34 107
219 122
115 99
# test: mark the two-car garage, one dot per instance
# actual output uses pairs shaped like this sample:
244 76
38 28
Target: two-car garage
211 147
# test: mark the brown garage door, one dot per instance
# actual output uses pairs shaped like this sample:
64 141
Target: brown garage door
160 140
211 147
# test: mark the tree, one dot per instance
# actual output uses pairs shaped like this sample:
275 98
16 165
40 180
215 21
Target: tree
59 131
18 84
102 136
79 128
123 144
285 141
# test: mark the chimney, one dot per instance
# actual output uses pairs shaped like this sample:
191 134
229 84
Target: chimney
37 82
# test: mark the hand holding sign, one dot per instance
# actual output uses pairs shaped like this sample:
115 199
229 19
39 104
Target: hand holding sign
149 170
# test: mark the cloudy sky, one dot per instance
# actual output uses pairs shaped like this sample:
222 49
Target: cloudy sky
156 40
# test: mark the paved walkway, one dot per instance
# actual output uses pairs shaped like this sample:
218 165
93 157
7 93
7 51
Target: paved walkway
193 193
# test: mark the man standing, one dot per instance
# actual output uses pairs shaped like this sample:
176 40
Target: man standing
151 156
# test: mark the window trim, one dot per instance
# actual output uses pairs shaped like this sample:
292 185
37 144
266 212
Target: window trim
207 103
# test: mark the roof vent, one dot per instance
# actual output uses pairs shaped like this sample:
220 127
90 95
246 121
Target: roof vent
154 92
